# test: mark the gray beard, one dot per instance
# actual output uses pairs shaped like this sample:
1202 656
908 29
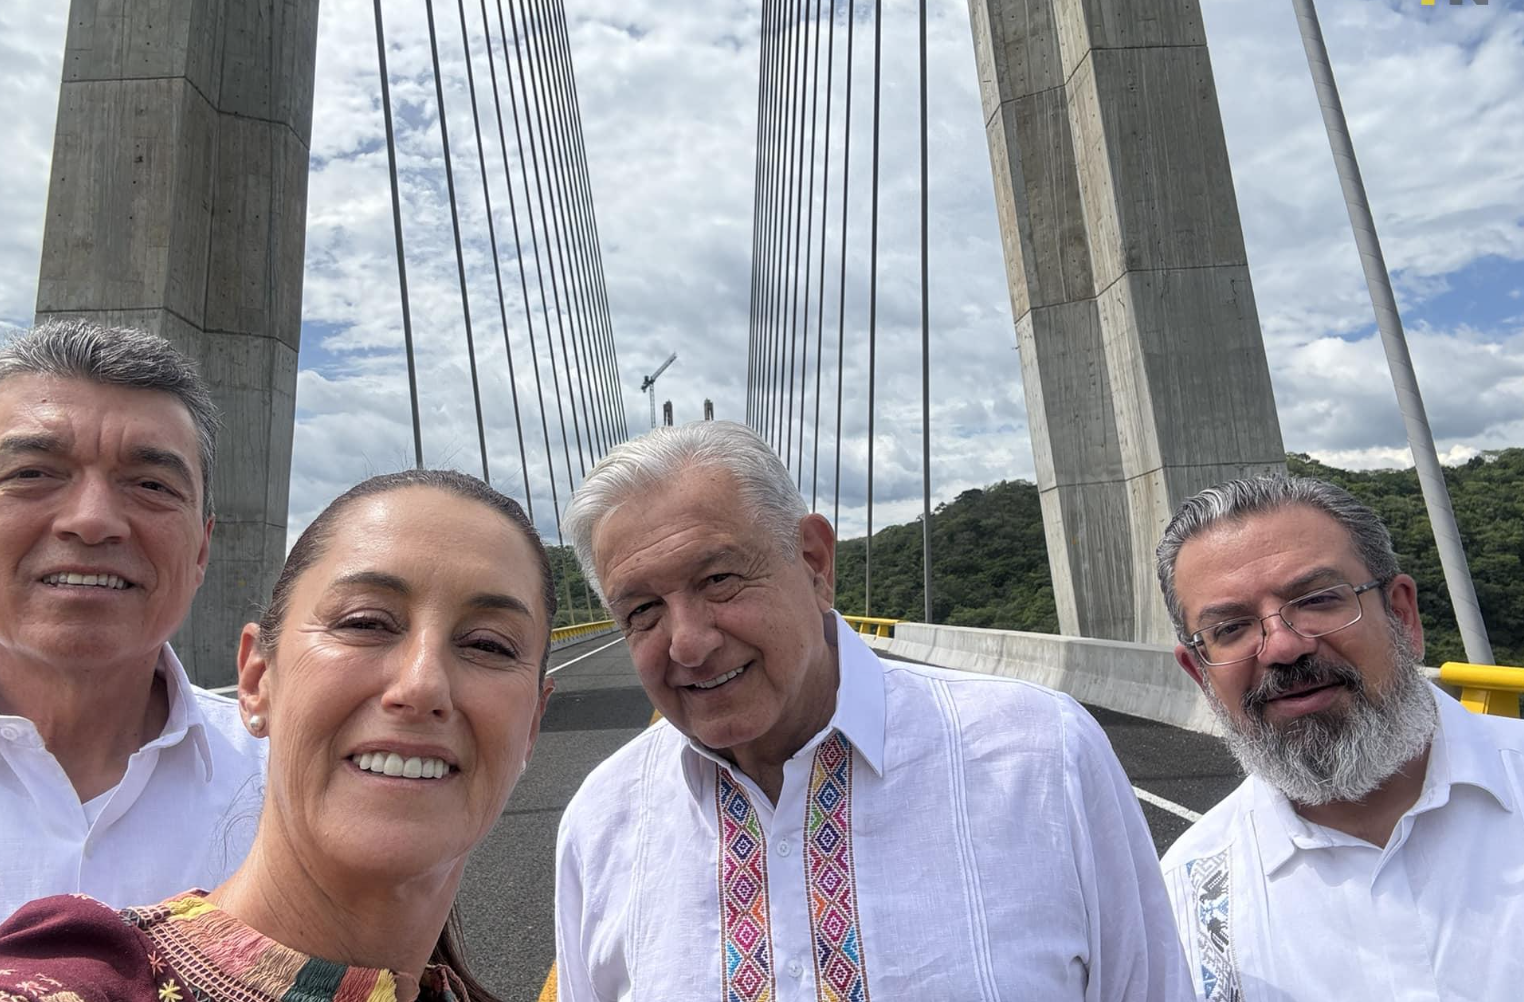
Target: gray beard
1334 756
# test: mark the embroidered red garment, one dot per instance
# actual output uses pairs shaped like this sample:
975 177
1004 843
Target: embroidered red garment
73 948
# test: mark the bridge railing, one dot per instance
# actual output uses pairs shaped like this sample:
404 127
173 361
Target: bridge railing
1492 689
871 626
562 636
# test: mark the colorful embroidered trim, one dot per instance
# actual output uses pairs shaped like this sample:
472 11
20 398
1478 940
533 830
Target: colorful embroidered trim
745 923
830 879
1211 885
219 957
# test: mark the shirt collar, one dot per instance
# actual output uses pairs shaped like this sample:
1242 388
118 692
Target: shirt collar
185 720
859 713
1459 752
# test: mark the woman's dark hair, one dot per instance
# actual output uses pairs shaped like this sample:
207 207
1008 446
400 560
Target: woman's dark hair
309 549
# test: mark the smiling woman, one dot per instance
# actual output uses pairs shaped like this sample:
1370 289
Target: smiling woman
398 674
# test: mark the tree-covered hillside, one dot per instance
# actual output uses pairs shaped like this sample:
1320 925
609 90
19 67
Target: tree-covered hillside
990 564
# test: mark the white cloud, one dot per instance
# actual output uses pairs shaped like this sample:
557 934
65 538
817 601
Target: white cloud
669 99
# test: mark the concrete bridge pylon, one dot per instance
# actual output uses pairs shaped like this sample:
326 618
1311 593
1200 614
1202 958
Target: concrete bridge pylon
1141 354
177 204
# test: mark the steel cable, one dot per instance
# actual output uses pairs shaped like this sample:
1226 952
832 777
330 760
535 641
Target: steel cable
584 183
460 260
540 249
825 203
809 233
545 250
841 305
580 213
925 347
539 275
878 50
533 39
497 271
756 231
391 165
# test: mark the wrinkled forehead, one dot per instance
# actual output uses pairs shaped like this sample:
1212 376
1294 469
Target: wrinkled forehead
1281 553
77 417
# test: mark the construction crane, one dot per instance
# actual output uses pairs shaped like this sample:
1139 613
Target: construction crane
648 385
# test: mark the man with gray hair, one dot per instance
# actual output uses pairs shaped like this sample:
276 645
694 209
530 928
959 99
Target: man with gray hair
118 778
1373 850
807 821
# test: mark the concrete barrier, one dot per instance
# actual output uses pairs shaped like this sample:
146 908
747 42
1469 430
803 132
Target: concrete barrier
1138 679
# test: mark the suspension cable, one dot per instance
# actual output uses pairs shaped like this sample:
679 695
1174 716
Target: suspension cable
539 274
460 260
774 235
841 305
825 203
541 249
518 251
391 165
809 232
497 271
547 225
584 183
576 211
533 39
756 231
878 49
925 349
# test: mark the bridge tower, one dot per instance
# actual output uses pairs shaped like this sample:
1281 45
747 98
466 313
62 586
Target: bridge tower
177 204
1141 353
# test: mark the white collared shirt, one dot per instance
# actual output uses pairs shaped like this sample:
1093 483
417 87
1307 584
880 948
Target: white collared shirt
947 836
1274 908
182 816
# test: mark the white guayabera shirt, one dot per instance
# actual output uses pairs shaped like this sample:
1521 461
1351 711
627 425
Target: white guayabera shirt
948 836
182 816
1274 908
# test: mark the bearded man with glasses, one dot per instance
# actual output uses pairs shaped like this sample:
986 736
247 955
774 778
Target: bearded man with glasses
1373 850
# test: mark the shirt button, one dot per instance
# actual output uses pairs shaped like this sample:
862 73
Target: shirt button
10 732
795 969
783 847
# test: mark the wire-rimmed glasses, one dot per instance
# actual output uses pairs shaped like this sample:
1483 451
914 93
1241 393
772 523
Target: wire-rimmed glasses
1310 616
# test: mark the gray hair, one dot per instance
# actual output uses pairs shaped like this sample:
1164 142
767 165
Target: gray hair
118 356
764 485
1236 500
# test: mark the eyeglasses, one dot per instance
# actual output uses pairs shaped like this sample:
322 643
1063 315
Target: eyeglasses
1313 615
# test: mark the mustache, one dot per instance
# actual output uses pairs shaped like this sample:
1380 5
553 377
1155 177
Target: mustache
1305 672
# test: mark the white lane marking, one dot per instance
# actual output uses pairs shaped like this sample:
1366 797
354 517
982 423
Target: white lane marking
579 657
226 690
1167 805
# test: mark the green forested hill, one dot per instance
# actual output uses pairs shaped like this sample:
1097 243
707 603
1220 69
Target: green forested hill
990 564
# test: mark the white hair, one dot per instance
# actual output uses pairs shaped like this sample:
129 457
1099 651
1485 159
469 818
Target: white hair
763 484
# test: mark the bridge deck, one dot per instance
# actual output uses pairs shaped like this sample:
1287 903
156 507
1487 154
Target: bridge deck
507 897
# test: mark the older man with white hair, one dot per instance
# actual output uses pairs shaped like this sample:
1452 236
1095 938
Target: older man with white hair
118 777
1373 850
808 821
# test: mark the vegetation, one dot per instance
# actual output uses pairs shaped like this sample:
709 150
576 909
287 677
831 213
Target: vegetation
572 587
990 564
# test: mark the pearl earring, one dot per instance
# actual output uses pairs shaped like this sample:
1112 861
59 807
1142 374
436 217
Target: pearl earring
524 765
256 723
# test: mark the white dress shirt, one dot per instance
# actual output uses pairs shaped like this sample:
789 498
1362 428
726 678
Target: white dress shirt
1274 908
182 816
947 836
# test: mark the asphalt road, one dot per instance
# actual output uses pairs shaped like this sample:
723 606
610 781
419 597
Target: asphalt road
507 898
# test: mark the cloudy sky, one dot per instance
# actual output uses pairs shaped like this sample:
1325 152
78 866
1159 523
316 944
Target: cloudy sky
668 91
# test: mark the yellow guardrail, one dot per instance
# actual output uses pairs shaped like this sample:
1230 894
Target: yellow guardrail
869 626
1490 689
579 631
